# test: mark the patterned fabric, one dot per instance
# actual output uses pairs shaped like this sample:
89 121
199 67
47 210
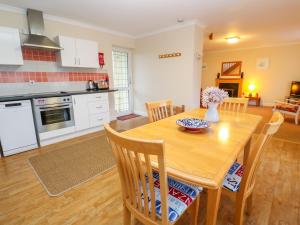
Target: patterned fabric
180 197
234 177
286 107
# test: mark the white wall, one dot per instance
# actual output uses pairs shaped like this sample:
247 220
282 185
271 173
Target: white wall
175 78
272 83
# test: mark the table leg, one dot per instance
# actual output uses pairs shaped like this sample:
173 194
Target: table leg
247 150
213 201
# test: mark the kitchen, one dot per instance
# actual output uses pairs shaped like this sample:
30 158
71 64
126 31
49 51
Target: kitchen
50 90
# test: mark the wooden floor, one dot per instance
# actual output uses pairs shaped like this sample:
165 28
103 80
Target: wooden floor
24 201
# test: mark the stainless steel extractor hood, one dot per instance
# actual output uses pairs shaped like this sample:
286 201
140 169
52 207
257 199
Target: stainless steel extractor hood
36 38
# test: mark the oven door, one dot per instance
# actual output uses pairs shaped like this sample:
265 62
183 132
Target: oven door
53 117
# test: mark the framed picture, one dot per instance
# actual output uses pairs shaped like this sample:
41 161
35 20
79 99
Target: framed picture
262 63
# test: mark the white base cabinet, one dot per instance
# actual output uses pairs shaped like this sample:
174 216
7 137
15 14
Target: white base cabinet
81 113
90 110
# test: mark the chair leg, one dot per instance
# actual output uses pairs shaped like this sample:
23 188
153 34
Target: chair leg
239 211
249 204
194 211
126 216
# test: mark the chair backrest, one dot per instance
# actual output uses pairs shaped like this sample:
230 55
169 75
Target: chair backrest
178 109
234 104
254 158
133 161
159 110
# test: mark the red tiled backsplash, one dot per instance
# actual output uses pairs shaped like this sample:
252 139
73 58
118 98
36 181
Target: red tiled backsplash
22 77
38 54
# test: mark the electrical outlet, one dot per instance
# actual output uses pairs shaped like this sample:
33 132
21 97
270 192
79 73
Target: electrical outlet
31 82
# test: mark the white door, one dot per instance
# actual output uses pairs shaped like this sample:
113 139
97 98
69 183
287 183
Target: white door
122 81
81 112
68 53
87 53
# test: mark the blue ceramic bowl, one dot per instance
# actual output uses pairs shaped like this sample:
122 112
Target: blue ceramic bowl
193 124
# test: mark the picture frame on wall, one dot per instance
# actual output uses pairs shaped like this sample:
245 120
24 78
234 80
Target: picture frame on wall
262 63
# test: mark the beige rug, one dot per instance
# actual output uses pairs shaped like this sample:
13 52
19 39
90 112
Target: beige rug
67 167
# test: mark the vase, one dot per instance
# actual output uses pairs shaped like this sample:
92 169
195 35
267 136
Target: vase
212 114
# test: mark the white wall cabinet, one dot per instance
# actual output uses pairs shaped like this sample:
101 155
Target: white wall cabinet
11 52
90 110
78 52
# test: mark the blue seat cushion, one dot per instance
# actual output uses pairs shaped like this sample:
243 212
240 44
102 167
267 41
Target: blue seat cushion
234 177
180 197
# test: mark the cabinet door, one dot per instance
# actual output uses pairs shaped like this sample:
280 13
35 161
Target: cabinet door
10 53
99 119
68 54
81 112
87 53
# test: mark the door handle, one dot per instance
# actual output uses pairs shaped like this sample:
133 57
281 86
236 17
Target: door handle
13 104
56 107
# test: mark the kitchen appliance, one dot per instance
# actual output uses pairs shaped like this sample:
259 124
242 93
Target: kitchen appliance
36 38
103 84
53 113
91 85
17 132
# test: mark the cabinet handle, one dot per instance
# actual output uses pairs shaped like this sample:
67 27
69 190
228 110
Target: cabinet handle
100 119
74 101
99 107
79 60
75 60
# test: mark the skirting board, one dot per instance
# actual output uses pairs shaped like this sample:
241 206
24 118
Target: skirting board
69 136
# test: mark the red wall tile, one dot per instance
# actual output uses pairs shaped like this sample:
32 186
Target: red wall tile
38 54
21 77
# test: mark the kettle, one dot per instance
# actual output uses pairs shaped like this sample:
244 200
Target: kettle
91 85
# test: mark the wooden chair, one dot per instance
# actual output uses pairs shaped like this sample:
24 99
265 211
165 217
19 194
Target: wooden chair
240 180
144 190
162 109
234 104
178 109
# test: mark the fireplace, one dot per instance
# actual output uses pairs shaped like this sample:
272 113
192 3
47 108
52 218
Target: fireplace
232 86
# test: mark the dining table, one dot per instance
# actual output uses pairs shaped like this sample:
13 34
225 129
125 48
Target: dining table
202 158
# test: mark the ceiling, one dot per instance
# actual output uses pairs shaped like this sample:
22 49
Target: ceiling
257 22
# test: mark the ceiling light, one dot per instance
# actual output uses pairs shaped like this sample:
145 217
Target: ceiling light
232 40
180 20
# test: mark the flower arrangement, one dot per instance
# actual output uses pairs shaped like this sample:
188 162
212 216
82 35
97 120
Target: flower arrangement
213 95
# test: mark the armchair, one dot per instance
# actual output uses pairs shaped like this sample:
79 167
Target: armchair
290 107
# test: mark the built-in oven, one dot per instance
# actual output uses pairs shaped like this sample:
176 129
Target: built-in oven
53 113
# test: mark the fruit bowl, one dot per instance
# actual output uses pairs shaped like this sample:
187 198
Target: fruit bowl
193 124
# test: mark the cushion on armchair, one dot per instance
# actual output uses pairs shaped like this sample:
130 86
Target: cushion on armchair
287 107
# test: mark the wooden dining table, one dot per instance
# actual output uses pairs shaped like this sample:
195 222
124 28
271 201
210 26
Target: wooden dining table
203 158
